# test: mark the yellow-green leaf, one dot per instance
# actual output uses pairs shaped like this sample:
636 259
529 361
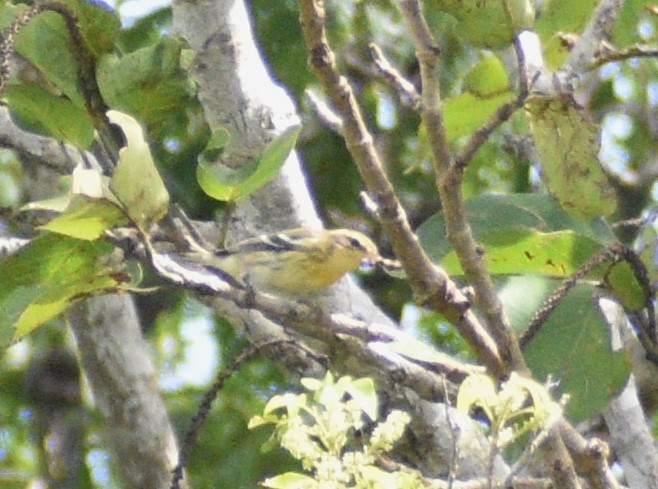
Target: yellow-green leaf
226 184
86 219
136 181
489 77
568 145
46 276
564 16
364 394
520 233
510 251
291 480
490 23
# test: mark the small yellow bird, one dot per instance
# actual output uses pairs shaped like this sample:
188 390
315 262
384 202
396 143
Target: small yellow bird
295 262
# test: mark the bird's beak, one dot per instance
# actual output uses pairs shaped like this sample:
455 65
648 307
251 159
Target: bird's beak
367 264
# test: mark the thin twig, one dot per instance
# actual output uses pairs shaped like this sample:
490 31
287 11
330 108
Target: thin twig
491 457
204 409
563 472
636 222
613 253
366 341
590 456
324 112
643 335
543 313
612 55
9 39
642 276
406 90
482 135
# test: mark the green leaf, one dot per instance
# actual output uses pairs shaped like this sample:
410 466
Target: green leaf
649 251
146 30
99 25
490 23
45 277
620 280
51 115
290 480
315 385
520 233
568 144
8 13
56 105
56 204
87 210
220 182
219 139
489 77
225 184
478 390
519 250
467 112
331 393
136 181
12 305
523 295
364 394
564 16
292 402
626 28
486 88
86 219
148 83
532 234
58 62
37 314
573 346
556 50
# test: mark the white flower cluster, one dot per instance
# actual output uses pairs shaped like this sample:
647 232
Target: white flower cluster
321 432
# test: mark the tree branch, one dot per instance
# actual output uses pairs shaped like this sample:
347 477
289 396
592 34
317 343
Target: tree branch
589 43
611 55
53 154
449 180
630 433
371 347
431 285
116 362
406 90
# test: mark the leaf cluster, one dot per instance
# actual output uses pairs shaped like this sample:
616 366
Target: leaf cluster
327 433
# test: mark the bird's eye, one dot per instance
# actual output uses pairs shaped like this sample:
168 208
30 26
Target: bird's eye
355 243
